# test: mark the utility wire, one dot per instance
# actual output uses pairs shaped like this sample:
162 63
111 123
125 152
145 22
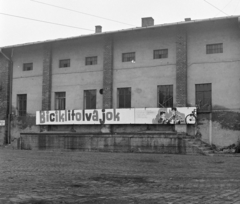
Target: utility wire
81 12
216 7
44 21
224 6
227 4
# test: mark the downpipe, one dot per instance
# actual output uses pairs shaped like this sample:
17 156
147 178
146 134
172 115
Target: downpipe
10 95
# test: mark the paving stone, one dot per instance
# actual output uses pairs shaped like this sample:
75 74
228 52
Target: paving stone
49 177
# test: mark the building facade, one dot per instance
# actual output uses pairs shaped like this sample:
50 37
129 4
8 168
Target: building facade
186 64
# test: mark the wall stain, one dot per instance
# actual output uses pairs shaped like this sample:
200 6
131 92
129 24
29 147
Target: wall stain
22 122
138 90
42 142
227 119
26 121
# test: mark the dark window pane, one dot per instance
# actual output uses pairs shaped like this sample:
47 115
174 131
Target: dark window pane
128 101
90 99
128 57
158 54
204 97
91 60
60 100
27 66
64 63
207 94
22 104
121 101
214 48
124 98
165 96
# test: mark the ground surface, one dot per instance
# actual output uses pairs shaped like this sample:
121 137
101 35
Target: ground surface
41 177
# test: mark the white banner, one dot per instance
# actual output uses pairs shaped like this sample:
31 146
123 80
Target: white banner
98 116
181 115
2 122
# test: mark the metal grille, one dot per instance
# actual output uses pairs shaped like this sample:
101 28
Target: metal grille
22 104
27 66
91 60
90 99
204 97
165 96
159 54
60 101
215 48
64 63
128 57
124 97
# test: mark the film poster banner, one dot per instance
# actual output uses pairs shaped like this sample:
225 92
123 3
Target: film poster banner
183 115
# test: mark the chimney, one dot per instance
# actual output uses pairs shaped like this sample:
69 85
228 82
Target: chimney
98 29
187 19
148 21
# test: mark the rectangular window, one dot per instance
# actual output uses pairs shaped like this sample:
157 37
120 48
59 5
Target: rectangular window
60 100
159 54
124 97
90 99
91 60
27 66
165 96
128 57
214 48
22 104
204 97
64 63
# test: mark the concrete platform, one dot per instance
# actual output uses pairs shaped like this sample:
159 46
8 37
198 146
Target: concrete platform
146 142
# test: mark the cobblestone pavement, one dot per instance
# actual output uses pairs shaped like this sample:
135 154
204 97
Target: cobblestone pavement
41 177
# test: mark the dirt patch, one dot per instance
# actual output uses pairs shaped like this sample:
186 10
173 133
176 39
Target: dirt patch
78 185
149 161
42 201
120 179
218 162
34 201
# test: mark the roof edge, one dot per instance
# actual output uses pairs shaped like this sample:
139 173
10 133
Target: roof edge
120 31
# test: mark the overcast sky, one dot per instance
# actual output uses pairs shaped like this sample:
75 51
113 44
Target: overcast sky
110 14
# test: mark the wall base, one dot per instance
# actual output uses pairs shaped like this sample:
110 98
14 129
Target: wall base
171 143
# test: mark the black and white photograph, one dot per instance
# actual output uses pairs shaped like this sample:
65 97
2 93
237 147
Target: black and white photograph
119 102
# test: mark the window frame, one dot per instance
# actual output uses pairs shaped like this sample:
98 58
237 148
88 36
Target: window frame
214 48
27 65
62 61
128 56
209 109
58 100
155 54
125 95
170 95
85 98
91 60
22 112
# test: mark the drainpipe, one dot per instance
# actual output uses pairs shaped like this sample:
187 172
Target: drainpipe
210 128
10 96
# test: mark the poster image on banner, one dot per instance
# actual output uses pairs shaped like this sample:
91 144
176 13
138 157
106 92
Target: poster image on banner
180 115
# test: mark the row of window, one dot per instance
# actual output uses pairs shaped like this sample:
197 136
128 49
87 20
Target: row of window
130 56
63 63
126 57
165 98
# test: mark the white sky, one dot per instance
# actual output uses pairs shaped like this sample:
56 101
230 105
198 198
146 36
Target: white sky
16 30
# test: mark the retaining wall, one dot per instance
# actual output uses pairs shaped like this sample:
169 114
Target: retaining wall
170 143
